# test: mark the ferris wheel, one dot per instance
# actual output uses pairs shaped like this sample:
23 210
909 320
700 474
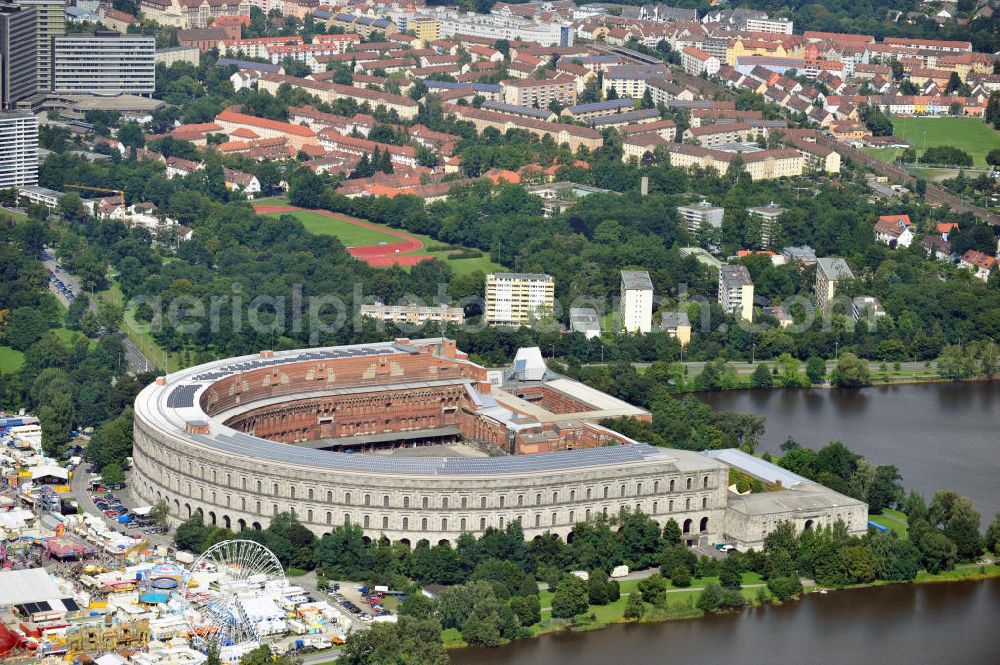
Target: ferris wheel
227 577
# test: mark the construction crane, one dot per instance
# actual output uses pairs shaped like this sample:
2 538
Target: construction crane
120 192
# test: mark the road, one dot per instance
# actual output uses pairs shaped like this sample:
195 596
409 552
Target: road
746 369
136 360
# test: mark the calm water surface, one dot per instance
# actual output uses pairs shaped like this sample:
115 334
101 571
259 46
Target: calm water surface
940 435
931 624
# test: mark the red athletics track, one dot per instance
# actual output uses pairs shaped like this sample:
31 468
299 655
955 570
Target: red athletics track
378 256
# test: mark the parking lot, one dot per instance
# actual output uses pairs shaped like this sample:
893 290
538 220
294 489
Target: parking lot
360 602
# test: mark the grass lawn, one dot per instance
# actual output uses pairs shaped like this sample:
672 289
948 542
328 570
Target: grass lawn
11 360
969 134
354 236
349 234
295 572
970 571
143 340
891 519
884 154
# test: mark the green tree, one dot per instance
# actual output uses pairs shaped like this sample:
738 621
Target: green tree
761 377
527 608
634 607
597 587
653 590
570 597
159 512
113 475
816 370
681 577
710 599
992 539
993 157
885 490
784 588
851 372
730 576
407 642
671 532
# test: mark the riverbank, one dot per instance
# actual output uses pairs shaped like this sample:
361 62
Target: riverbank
681 603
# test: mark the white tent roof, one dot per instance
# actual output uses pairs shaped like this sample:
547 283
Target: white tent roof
142 511
46 470
31 585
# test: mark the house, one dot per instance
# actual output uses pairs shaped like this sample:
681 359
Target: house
238 181
830 271
868 307
585 320
780 314
946 228
936 247
177 166
894 231
678 326
981 264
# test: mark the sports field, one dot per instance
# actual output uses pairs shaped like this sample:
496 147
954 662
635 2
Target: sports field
376 244
969 134
349 234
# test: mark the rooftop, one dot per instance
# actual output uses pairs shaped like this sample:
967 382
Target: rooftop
636 280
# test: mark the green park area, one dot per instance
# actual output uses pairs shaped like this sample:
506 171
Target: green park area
969 134
353 235
10 360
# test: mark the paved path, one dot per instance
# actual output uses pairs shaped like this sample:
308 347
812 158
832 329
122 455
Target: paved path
136 360
395 253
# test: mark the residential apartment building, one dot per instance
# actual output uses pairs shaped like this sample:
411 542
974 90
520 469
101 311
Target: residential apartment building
425 28
774 26
696 215
696 62
413 314
513 29
636 304
514 298
761 165
18 149
736 291
18 52
105 63
829 272
50 22
539 93
768 216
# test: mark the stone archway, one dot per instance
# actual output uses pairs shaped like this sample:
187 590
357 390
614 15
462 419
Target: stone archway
241 524
687 525
808 526
703 525
226 522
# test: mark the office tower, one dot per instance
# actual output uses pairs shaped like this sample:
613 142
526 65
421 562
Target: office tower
18 52
18 149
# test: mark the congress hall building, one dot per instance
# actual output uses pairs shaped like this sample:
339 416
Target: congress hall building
411 440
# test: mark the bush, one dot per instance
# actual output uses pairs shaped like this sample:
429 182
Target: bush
681 577
634 607
784 587
710 600
653 590
570 597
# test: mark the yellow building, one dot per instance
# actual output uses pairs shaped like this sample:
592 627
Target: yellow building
425 28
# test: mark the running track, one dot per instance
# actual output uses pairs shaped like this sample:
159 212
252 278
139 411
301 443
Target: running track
378 256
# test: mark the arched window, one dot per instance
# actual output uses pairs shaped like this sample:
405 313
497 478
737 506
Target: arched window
687 504
259 490
572 495
502 501
589 492
292 490
329 517
423 524
554 517
605 491
656 507
368 499
444 502
670 506
347 499
622 490
638 489
538 520
406 523
572 515
704 482
588 514
424 503
672 482
444 523
704 502
385 522
689 482
366 521
275 489
385 500
538 499
520 500
461 525
482 523
406 502
656 487
309 515
310 494
329 497
347 519
501 523
274 509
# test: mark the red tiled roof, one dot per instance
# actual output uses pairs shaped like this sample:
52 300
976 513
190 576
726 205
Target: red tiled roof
254 121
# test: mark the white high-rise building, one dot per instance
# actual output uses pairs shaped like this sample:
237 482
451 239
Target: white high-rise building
636 306
105 63
703 212
512 298
736 291
18 149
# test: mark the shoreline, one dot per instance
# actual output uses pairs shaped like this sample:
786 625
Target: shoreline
975 573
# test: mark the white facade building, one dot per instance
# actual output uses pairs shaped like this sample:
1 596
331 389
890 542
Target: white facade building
636 306
736 291
513 298
703 212
553 33
775 26
18 149
105 63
